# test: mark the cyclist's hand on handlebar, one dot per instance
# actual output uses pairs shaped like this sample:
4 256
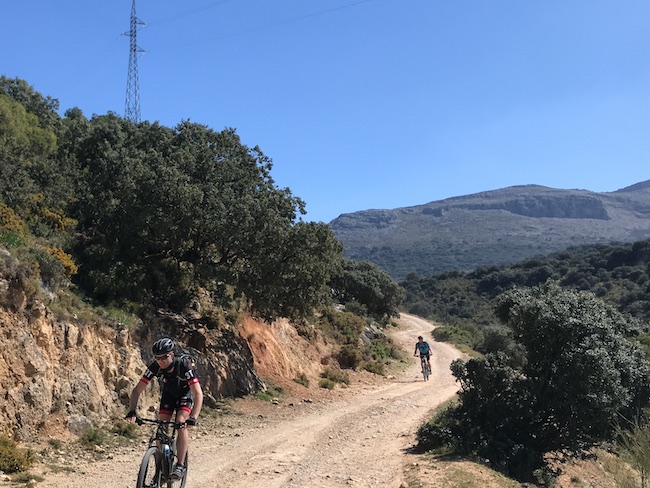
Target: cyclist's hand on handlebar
190 422
133 418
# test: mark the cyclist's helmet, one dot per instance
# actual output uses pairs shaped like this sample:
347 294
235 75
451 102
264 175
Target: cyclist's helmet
163 346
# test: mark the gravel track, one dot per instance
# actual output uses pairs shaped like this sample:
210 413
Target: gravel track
359 438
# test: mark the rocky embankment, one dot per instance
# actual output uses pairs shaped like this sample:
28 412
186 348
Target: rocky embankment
81 371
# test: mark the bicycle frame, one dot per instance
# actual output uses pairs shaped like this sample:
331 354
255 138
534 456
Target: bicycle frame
426 371
165 445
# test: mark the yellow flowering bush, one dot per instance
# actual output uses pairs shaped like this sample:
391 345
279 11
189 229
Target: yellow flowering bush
64 258
10 221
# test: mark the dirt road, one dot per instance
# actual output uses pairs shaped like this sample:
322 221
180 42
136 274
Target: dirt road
358 439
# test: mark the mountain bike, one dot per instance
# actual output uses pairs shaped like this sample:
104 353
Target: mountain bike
158 461
426 371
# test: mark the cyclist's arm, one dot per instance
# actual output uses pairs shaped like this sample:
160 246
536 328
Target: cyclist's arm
135 395
197 393
133 399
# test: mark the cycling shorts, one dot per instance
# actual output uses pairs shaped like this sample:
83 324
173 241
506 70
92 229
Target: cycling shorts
170 402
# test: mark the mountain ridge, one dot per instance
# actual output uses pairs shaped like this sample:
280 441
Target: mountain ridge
492 228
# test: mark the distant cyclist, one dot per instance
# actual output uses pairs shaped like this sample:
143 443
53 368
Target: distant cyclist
425 350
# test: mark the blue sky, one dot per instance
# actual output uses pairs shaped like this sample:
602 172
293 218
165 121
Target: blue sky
368 103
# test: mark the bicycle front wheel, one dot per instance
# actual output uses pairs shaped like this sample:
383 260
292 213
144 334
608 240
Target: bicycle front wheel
150 472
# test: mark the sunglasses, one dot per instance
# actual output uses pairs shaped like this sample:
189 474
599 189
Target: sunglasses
160 358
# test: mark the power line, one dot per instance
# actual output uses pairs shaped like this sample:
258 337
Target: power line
254 29
187 13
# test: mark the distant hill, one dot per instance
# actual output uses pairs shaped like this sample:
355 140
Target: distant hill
492 228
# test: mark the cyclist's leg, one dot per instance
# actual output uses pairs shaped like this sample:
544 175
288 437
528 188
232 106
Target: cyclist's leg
182 413
166 408
429 361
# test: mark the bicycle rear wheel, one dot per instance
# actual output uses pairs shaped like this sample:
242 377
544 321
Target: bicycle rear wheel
149 474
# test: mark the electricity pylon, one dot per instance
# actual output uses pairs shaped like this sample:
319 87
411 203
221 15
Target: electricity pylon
132 105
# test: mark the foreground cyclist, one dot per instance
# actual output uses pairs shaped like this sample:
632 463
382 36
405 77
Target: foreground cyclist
425 350
181 391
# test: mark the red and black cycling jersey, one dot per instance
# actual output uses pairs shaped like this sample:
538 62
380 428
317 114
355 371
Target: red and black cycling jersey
175 380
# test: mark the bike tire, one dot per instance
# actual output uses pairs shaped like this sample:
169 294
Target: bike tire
150 469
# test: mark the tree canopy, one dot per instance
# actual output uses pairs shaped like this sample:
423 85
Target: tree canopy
156 215
164 211
367 283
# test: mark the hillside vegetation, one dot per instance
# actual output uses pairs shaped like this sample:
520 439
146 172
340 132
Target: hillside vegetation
563 365
619 274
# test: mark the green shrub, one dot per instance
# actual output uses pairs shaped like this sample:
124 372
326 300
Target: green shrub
325 383
302 379
336 375
374 367
125 429
383 348
51 268
272 392
13 459
455 335
93 437
344 327
55 443
438 434
12 239
349 356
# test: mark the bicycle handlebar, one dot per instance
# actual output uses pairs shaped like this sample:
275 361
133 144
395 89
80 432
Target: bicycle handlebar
177 425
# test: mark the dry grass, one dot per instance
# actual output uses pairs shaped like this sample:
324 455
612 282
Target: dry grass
605 471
